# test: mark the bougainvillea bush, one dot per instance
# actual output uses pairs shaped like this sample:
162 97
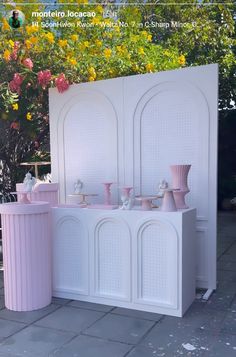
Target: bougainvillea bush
34 58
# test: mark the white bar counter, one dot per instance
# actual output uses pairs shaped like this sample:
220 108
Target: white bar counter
136 259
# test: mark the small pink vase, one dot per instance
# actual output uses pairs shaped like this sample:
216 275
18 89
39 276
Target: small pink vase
180 183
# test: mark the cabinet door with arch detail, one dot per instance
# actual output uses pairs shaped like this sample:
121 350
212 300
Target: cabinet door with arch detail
156 258
70 256
111 257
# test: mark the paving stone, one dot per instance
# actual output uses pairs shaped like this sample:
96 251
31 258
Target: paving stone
60 301
197 328
8 328
169 336
226 275
170 351
222 248
27 316
34 341
221 300
232 249
70 319
223 346
226 286
2 302
86 346
233 305
229 323
136 313
226 265
228 257
198 317
90 306
120 328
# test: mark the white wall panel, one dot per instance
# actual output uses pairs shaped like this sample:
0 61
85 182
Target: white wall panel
87 137
130 130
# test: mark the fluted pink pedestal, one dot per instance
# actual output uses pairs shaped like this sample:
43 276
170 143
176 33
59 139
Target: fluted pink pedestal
47 192
26 255
180 182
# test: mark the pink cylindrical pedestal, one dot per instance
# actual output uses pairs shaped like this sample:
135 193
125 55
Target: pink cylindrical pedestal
47 192
26 255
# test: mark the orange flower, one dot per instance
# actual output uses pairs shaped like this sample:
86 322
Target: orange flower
182 60
5 25
107 52
74 37
62 43
7 55
149 67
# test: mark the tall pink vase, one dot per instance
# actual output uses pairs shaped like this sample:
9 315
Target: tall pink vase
180 183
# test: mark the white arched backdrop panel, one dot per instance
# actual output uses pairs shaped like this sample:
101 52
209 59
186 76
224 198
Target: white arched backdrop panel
130 130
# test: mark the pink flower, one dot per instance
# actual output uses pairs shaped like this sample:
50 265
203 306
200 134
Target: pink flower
28 63
15 125
15 83
44 78
36 144
17 44
62 83
17 78
14 55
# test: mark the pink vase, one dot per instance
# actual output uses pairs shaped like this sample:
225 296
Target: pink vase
180 183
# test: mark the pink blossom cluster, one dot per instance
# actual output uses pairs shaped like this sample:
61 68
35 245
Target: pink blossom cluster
62 83
27 62
44 78
15 83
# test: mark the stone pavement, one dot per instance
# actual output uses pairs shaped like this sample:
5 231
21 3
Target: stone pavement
77 329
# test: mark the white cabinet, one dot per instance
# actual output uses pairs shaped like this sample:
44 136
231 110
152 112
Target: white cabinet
137 259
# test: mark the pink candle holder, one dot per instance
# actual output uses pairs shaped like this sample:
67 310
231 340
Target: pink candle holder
126 191
146 202
168 202
23 196
107 187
